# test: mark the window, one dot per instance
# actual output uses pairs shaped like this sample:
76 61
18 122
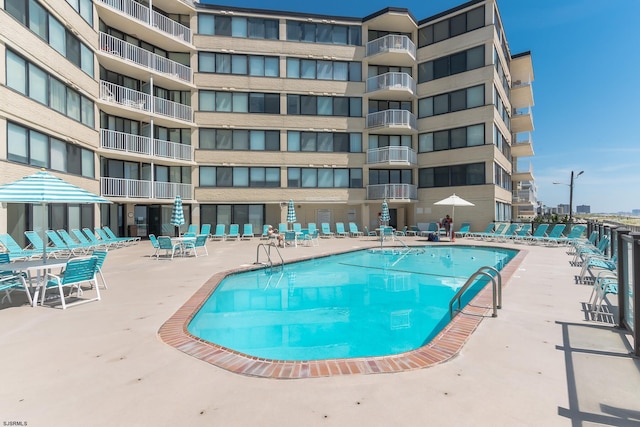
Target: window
451 27
239 139
324 105
451 138
452 64
254 177
324 142
239 102
454 175
324 33
324 178
450 102
251 65
238 26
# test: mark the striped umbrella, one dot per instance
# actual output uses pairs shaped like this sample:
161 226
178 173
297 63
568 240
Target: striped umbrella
177 215
291 212
385 217
42 188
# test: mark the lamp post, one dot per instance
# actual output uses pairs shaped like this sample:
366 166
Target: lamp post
573 178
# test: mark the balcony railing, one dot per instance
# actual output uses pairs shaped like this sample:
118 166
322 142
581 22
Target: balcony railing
391 81
142 13
142 101
135 144
142 189
391 118
144 58
391 43
393 154
392 192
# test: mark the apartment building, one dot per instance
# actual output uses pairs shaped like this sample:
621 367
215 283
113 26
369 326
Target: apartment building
240 110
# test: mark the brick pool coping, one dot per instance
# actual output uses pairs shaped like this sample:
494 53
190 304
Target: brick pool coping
442 347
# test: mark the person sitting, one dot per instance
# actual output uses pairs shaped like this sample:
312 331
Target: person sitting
446 223
273 234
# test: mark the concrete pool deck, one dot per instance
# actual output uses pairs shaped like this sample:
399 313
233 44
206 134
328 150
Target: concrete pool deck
540 362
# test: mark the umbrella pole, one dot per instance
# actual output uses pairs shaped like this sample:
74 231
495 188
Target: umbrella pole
453 218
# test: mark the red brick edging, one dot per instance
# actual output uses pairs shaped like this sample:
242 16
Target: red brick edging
443 347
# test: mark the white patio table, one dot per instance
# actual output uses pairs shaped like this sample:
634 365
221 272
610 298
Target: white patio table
41 267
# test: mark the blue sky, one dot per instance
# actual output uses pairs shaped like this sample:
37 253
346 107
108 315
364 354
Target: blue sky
586 61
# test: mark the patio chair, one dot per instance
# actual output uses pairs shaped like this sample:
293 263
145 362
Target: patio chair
325 230
200 242
487 235
114 236
91 235
583 251
101 255
234 232
154 242
540 231
475 234
521 233
220 232
38 245
282 227
75 249
82 238
265 232
297 227
310 239
103 236
605 284
598 263
576 233
15 250
71 242
205 229
340 231
402 232
77 271
192 231
371 233
10 281
555 232
353 230
312 228
464 230
290 239
166 244
247 232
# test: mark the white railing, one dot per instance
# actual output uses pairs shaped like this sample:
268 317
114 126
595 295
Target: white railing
120 187
391 43
172 150
392 191
142 13
169 190
391 81
124 96
388 118
144 58
134 99
172 109
523 196
120 141
392 154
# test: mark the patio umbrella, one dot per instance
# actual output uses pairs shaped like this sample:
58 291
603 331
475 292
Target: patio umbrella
384 216
177 215
291 212
453 201
42 188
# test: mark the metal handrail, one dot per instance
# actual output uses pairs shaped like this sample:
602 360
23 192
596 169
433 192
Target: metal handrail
496 288
267 250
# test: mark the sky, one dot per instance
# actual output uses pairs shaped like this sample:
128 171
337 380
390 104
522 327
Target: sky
586 63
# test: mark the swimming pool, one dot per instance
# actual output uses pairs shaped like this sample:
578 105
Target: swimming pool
359 304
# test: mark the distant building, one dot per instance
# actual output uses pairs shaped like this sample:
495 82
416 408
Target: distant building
583 209
635 212
563 209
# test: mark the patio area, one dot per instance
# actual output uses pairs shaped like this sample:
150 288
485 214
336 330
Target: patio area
540 362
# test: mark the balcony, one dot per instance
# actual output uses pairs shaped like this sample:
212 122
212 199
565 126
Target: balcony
141 101
150 18
145 146
523 197
392 156
404 192
521 94
522 175
522 121
522 148
392 86
143 189
392 50
392 122
116 48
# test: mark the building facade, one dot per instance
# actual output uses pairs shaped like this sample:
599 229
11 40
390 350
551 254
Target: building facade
240 110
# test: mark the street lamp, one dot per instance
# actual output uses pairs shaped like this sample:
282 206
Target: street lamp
573 178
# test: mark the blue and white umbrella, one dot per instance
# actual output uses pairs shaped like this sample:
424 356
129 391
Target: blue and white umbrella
384 216
42 188
291 212
177 215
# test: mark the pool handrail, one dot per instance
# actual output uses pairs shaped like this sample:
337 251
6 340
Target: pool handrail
267 250
496 289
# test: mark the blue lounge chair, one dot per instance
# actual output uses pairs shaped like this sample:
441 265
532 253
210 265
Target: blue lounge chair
506 233
371 233
340 231
555 233
234 232
220 232
325 230
464 230
15 250
192 231
605 284
598 263
113 236
282 227
312 228
77 271
487 235
297 227
71 242
540 231
103 236
353 230
247 231
265 232
523 232
58 243
82 238
489 229
38 244
91 236
576 233
583 251
205 229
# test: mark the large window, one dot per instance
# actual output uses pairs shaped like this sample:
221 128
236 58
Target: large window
324 178
238 26
450 102
33 15
327 142
452 64
84 8
376 105
453 175
254 177
35 83
451 27
448 139
239 139
35 148
298 68
501 177
501 142
311 105
239 102
379 141
233 214
312 32
247 65
390 176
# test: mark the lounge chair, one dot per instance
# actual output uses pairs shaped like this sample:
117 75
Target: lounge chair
583 251
168 246
15 250
598 263
91 236
488 235
10 282
71 242
507 233
297 227
605 284
312 228
489 229
353 230
371 233
282 227
247 232
402 232
117 243
523 232
265 232
82 238
58 243
205 229
77 271
310 238
38 244
556 231
113 236
540 231
465 228
220 232
234 232
340 231
412 231
325 230
576 233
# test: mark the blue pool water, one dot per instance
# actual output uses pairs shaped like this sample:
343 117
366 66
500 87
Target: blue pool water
363 303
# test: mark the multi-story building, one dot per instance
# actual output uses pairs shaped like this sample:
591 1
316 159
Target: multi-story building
583 209
240 110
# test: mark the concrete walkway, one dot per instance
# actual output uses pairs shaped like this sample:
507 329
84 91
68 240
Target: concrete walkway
541 362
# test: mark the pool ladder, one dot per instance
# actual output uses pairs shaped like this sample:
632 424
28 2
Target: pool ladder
267 250
486 271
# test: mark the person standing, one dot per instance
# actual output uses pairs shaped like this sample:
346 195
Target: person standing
446 223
